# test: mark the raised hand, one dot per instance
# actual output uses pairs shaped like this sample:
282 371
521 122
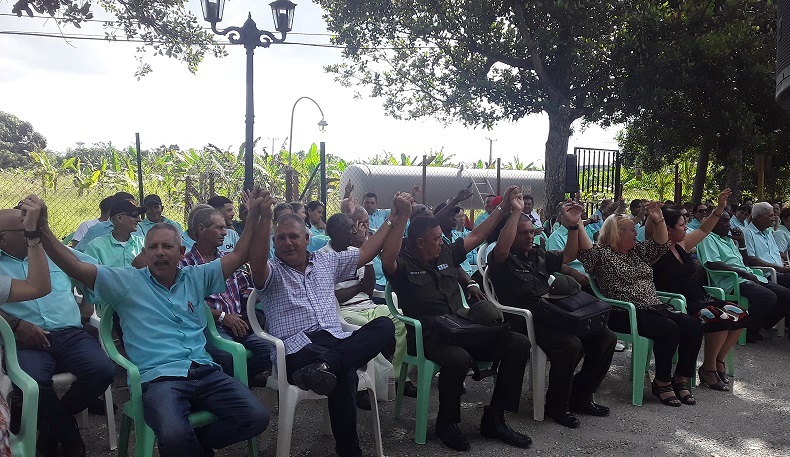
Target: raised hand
573 212
349 188
653 211
724 195
463 194
38 218
401 205
517 203
507 199
416 190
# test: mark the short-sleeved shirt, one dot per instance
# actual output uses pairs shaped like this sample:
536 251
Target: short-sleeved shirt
761 244
469 265
481 218
145 225
521 279
557 241
113 253
97 230
296 303
315 231
82 229
782 238
231 238
535 218
693 225
162 327
428 290
5 288
714 248
596 226
378 217
627 277
360 301
734 222
55 311
234 298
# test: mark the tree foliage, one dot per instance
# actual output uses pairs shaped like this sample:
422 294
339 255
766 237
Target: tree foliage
164 26
17 140
480 61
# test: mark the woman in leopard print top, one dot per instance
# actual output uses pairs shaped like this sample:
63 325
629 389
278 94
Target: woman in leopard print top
621 267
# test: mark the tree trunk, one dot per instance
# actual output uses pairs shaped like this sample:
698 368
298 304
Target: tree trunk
701 174
556 148
734 170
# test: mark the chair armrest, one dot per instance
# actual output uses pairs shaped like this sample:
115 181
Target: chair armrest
279 346
726 275
678 301
715 292
105 333
388 294
19 377
237 351
770 270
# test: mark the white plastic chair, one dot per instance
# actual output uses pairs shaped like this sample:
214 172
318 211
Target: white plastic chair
538 358
289 395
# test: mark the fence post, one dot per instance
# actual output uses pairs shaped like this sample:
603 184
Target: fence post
678 185
139 168
187 197
498 176
322 150
424 179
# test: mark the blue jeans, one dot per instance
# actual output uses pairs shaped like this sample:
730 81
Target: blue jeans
168 400
71 350
259 362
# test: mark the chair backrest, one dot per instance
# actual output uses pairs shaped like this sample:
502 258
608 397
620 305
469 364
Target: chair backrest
24 442
481 259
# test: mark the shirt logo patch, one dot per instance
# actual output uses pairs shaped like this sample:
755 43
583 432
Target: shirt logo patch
443 266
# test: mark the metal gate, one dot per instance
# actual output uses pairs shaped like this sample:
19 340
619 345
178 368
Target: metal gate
599 176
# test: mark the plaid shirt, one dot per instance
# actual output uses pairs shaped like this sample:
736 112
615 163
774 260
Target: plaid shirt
297 303
233 300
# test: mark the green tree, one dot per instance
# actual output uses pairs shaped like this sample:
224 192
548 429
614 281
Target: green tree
482 61
17 140
164 26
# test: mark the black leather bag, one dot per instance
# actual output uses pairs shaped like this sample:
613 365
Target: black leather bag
460 331
579 314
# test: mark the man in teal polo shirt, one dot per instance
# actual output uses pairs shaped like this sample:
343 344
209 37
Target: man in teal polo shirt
50 340
119 247
768 302
161 313
153 215
761 244
102 228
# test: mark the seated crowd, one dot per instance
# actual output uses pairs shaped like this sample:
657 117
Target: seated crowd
155 276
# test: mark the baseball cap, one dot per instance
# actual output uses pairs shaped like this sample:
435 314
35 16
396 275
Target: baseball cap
153 198
125 206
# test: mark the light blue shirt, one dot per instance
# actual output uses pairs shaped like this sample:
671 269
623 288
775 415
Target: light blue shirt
230 241
111 252
762 245
54 311
471 256
315 231
557 241
144 226
162 328
596 227
102 228
481 218
378 217
734 222
640 232
693 225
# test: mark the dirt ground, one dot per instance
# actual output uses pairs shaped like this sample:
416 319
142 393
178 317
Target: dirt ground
752 420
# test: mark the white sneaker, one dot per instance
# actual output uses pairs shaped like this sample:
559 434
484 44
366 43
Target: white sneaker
619 347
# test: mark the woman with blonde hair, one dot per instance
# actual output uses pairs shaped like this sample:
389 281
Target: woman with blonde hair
621 266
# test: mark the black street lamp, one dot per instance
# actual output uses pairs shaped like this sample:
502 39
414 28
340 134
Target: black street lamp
251 37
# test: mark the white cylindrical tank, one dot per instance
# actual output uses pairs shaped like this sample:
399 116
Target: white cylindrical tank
442 182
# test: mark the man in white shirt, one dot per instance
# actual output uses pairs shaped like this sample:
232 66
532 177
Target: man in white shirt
104 208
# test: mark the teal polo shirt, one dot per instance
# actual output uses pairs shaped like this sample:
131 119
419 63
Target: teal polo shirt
144 226
230 241
557 241
111 252
378 217
762 244
102 228
162 328
481 218
714 248
54 311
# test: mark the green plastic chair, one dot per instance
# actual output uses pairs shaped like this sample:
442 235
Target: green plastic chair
426 369
23 443
641 347
133 409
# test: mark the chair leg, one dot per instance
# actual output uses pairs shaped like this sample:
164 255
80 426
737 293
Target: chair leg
376 423
144 440
404 371
538 384
123 439
109 410
424 377
731 362
269 396
252 447
638 355
285 424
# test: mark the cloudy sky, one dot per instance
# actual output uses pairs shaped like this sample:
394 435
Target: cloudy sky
85 91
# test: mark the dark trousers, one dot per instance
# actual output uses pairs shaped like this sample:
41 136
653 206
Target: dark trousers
456 361
768 303
168 400
565 351
261 349
344 357
70 350
670 332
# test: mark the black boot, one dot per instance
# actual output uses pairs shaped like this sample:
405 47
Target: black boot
493 425
451 436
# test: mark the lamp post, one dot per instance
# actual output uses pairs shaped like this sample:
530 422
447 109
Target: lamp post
251 37
321 126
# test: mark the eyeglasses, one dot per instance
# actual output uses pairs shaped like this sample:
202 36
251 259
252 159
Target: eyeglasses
133 214
703 211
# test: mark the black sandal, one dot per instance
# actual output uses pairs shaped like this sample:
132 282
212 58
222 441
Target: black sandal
669 401
678 387
723 373
718 385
